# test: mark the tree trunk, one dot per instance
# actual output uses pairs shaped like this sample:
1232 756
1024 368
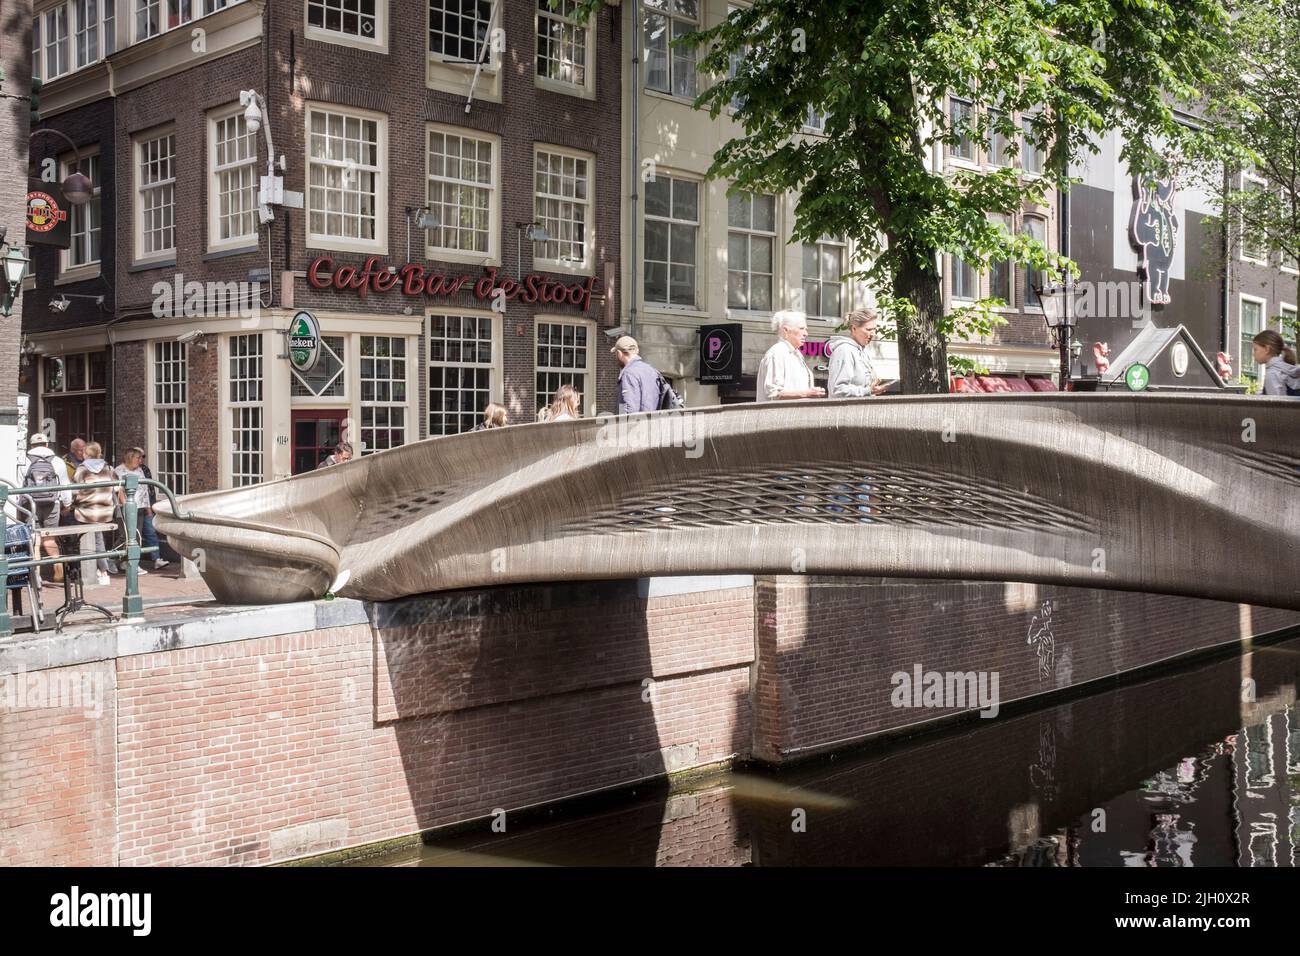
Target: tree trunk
922 352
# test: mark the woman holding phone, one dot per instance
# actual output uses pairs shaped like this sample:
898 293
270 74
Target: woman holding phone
851 372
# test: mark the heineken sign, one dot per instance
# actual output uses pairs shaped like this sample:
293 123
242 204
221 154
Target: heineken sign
304 341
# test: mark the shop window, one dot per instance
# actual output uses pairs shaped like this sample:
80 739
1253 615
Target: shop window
461 370
170 387
325 380
563 356
383 392
246 374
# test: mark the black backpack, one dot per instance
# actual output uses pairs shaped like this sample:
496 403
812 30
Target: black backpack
668 398
40 473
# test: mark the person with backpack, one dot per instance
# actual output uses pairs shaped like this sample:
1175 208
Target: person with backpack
639 382
46 507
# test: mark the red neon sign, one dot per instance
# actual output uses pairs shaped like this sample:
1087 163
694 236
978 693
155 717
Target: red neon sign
414 279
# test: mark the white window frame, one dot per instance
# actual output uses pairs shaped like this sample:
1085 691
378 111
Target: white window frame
236 406
447 254
215 242
342 377
588 263
177 356
1008 223
1246 357
1024 272
695 223
64 44
324 241
1248 177
1028 149
954 262
954 157
375 44
822 283
187 11
138 144
585 89
408 358
998 158
671 53
750 233
494 366
91 267
490 63
1287 313
589 386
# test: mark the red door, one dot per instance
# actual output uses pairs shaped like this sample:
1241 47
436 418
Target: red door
315 433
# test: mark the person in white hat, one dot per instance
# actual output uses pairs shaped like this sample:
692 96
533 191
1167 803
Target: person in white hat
783 374
46 508
638 382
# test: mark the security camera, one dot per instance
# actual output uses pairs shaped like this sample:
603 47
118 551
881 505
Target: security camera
615 333
188 338
60 304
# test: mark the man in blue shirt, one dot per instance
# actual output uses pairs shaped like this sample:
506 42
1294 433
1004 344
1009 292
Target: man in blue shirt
638 382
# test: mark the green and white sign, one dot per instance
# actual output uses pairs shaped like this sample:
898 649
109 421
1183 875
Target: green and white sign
304 341
1137 376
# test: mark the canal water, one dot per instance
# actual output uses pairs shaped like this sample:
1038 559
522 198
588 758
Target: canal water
1198 767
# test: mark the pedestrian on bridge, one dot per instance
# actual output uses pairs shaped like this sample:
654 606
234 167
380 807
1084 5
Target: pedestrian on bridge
564 407
638 380
783 373
852 374
494 416
1281 373
342 453
95 505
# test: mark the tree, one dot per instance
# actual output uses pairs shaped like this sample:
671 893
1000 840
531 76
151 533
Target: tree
878 71
1251 107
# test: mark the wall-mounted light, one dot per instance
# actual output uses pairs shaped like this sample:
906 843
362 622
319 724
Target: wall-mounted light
77 187
15 264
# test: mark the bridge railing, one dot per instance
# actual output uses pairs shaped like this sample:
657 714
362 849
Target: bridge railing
132 602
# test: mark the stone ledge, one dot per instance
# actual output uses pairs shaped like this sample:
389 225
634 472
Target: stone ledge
196 627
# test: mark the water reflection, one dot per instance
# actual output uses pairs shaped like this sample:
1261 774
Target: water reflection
1195 768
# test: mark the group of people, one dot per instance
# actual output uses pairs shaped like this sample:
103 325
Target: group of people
1281 371
84 464
783 373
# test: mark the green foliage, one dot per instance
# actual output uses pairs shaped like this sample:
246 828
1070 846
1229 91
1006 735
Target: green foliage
1251 110
879 71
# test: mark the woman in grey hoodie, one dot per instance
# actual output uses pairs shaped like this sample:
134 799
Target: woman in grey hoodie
851 374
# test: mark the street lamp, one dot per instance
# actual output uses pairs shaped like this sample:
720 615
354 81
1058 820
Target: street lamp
1057 300
15 264
77 188
534 232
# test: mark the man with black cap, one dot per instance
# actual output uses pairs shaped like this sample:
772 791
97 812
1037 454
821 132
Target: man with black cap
638 382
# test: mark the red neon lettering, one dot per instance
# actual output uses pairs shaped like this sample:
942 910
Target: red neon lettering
313 272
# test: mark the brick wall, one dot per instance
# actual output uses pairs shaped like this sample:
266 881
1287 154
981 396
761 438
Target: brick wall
448 707
15 114
129 391
828 647
57 786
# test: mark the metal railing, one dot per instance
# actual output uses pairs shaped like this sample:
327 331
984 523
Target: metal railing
132 602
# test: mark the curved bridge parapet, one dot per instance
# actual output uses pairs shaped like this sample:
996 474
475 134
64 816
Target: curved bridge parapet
1178 494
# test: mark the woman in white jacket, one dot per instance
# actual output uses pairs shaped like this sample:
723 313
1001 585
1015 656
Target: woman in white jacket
851 374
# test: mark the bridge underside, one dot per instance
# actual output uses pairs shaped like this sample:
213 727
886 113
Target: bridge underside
1177 494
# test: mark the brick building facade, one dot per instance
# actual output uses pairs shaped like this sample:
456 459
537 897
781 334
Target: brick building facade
506 141
15 47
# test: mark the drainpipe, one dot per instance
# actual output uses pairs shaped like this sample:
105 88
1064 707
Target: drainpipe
633 221
1227 276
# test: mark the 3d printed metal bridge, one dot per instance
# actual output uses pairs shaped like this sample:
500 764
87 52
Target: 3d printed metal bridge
1175 494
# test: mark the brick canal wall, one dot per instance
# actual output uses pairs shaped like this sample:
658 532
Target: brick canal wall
252 736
